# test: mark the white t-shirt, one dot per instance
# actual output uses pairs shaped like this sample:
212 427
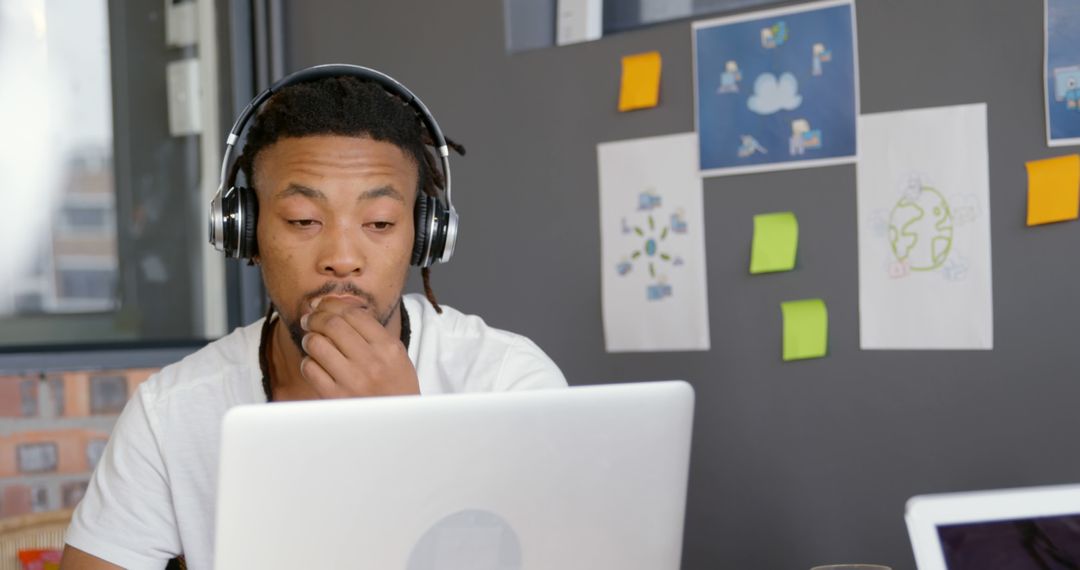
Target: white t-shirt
153 494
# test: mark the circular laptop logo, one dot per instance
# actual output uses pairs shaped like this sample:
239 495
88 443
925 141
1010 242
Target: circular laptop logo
468 540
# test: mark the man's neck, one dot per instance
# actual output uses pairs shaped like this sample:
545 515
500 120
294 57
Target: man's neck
287 382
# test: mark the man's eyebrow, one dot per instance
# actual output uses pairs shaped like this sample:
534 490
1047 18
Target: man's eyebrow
388 191
301 190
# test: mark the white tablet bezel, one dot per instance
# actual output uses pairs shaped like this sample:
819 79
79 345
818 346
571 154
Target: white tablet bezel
925 513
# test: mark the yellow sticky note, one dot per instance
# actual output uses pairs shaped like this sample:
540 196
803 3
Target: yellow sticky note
1053 190
640 81
806 329
776 240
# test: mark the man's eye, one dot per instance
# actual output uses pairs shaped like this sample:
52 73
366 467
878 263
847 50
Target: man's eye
381 225
303 223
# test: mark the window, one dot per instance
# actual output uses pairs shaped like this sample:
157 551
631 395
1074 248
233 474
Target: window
69 164
532 24
28 397
108 394
18 396
56 391
623 15
110 214
87 289
39 499
36 457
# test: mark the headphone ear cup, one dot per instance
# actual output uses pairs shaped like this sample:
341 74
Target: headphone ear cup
422 221
249 218
438 232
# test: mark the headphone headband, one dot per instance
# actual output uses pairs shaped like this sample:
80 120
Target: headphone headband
444 215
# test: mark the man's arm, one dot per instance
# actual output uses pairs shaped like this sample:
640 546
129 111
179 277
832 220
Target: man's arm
75 559
126 515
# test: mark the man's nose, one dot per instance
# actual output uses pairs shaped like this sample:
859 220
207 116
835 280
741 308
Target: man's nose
342 255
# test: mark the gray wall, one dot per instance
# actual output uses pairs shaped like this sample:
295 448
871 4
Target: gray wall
794 464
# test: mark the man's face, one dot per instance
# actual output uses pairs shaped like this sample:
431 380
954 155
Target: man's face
335 219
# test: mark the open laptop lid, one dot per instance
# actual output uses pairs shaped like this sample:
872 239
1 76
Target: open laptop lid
579 478
1034 528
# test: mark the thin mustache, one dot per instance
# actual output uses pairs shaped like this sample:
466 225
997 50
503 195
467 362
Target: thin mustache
343 287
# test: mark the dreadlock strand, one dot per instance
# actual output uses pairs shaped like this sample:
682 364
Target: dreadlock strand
428 292
458 147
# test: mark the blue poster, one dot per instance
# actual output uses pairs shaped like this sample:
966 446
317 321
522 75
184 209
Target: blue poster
777 89
1062 72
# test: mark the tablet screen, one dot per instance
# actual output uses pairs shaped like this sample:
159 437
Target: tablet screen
1045 543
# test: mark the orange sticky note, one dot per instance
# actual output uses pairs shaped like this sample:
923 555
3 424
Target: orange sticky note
1053 189
640 81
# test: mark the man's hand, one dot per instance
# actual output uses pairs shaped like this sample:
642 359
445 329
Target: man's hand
350 354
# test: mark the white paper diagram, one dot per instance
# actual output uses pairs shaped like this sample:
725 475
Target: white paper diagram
924 230
652 238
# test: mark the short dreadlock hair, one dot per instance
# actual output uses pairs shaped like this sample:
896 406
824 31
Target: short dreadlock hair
347 106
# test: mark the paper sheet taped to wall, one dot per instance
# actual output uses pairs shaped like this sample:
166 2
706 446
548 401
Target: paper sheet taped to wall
924 230
652 245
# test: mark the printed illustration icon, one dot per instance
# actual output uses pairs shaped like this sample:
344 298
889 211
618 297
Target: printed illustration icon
730 78
772 94
921 230
658 291
1067 86
803 137
954 269
648 200
750 146
774 36
650 253
821 55
678 221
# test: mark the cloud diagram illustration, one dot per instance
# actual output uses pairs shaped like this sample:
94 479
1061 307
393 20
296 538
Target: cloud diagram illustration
772 94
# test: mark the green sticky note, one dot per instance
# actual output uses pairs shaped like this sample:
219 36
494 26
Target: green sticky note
776 239
806 329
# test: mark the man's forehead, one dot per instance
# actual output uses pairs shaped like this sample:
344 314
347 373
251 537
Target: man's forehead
331 155
383 191
337 148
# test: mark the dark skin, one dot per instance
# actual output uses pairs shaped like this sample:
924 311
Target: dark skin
337 212
335 236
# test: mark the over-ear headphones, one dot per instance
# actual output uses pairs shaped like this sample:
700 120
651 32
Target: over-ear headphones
234 210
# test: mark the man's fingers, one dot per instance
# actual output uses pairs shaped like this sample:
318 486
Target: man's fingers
365 323
319 379
361 320
326 354
337 329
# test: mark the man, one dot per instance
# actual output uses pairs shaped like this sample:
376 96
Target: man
337 165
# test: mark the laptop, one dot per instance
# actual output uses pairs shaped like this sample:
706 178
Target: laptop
579 478
1034 528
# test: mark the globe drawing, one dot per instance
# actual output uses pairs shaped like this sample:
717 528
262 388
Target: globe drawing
921 230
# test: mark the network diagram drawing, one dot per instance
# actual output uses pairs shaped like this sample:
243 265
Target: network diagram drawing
653 253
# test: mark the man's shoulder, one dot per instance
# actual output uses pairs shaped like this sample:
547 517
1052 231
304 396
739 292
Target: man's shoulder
470 355
454 324
233 356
